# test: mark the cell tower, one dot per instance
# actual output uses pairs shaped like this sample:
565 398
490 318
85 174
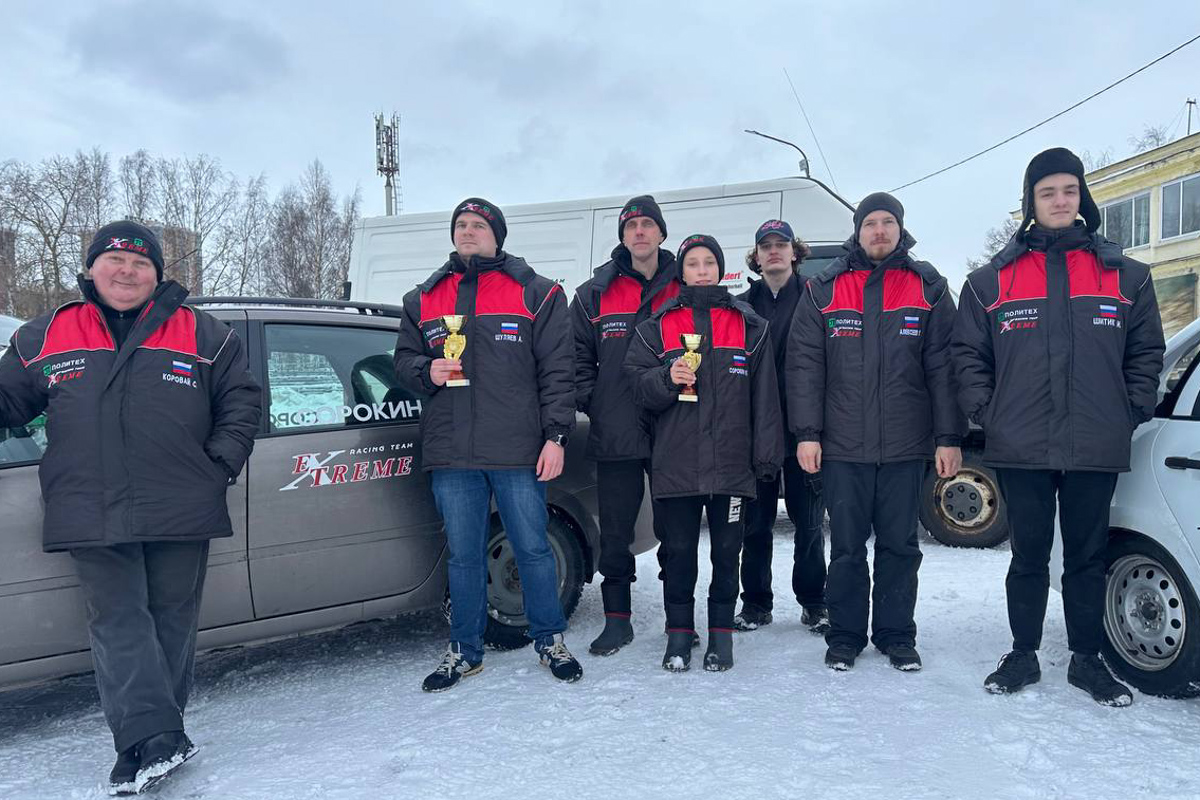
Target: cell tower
387 158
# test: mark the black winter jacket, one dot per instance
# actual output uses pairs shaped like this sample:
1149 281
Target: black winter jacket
142 440
869 369
778 310
606 309
519 360
733 434
1059 346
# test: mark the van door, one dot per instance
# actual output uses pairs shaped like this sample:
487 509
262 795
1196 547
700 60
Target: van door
341 510
732 221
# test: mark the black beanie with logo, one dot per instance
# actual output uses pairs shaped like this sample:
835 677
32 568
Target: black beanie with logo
129 237
702 240
641 206
489 211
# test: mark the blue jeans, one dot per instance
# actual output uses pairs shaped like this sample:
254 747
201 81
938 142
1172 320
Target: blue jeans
463 499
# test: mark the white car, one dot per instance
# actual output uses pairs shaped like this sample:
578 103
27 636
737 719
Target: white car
1151 611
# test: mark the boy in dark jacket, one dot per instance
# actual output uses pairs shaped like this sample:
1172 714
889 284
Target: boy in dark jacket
1058 345
500 434
776 256
870 394
151 413
709 450
638 279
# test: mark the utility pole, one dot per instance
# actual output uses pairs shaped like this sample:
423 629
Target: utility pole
1191 103
387 157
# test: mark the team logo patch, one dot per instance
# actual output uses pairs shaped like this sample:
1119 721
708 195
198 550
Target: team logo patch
739 365
1018 319
136 245
1107 316
63 371
614 329
912 326
844 326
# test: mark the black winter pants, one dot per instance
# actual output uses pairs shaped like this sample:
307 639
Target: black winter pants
802 499
620 488
681 541
143 605
862 498
1083 505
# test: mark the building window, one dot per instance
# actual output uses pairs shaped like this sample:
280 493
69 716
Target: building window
1181 207
1127 222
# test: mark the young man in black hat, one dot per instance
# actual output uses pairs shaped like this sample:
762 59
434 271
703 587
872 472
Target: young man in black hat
717 428
1058 345
639 277
776 256
151 412
871 400
502 435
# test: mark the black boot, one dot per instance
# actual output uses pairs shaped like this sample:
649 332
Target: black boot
816 619
841 657
678 657
752 618
903 657
1015 671
682 616
719 655
161 755
1090 674
122 780
618 630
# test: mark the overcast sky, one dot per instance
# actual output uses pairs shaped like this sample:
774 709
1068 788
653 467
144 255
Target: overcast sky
537 101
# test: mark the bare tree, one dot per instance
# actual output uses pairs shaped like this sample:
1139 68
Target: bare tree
310 237
993 242
245 237
196 195
1150 138
96 206
1100 160
42 202
139 186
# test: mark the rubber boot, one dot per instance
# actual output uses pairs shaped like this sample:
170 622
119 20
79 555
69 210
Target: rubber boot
719 655
618 630
681 629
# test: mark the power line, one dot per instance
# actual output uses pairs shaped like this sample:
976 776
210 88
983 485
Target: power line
1050 118
796 95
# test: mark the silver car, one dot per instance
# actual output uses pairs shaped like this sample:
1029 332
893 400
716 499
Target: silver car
333 518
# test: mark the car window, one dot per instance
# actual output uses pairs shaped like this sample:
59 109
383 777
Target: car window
1177 377
23 445
326 376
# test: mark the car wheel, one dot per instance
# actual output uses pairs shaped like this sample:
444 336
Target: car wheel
507 624
965 510
1150 619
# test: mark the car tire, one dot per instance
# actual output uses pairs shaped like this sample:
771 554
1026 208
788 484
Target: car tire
1151 619
507 626
966 510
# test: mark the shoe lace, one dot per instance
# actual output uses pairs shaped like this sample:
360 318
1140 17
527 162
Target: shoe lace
1007 664
449 663
558 653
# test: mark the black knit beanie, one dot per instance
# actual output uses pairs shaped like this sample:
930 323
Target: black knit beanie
701 240
1054 161
129 236
879 201
489 211
641 206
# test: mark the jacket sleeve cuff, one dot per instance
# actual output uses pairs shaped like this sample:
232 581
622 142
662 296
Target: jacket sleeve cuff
671 385
556 430
808 435
949 440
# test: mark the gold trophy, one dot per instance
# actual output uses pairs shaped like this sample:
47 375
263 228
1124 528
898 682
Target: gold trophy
692 358
453 348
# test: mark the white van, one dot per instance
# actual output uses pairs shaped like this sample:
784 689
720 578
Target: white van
567 240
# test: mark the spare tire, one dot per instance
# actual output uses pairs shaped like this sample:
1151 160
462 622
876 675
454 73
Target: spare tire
967 509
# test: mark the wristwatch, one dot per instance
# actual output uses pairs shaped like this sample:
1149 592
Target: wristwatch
559 439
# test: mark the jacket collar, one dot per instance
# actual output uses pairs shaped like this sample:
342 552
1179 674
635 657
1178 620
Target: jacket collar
1076 237
510 265
621 263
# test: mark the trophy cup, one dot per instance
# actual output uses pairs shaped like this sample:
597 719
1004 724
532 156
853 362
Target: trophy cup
455 344
692 342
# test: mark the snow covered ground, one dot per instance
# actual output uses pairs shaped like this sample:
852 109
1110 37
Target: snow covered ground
341 715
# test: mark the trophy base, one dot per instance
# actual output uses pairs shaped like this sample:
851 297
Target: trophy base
459 382
689 398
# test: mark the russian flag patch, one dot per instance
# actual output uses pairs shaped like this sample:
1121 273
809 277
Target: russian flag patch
509 327
739 360
181 368
1108 311
912 322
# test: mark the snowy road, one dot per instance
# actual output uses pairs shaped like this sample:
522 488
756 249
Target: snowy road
341 715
